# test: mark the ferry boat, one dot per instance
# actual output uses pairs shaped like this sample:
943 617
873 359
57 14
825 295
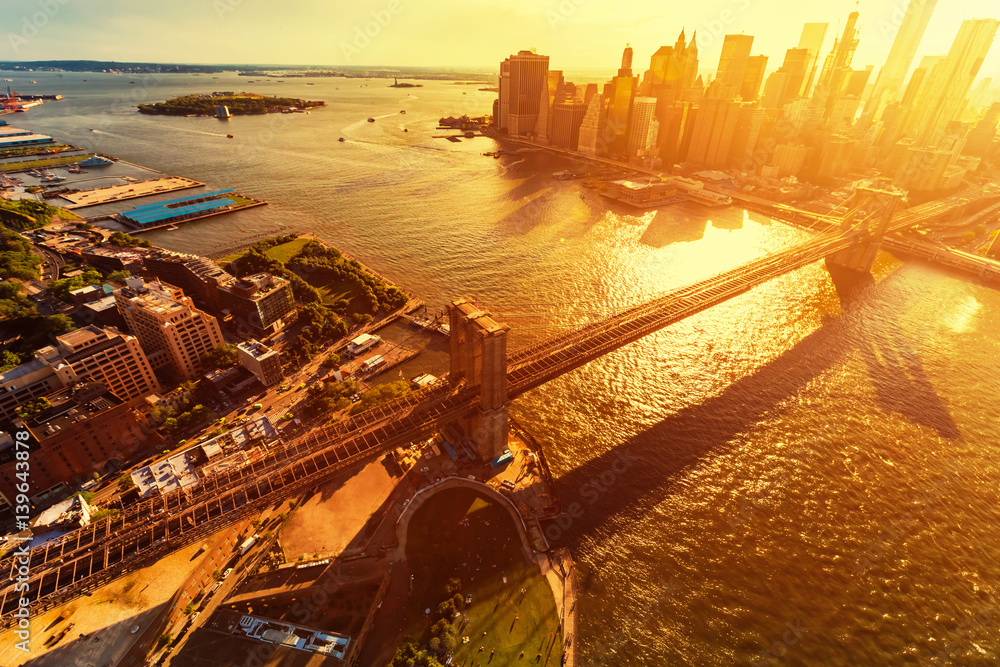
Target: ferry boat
709 198
95 161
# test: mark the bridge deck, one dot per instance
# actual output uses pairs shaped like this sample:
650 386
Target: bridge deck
92 556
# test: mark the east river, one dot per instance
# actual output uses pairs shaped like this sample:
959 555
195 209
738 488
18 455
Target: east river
782 479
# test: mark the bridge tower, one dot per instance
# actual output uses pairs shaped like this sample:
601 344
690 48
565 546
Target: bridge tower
479 356
869 214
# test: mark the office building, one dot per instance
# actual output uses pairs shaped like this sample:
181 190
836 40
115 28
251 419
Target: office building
84 428
172 331
811 39
591 140
567 117
262 361
890 79
90 353
837 65
620 91
753 78
732 66
943 97
643 113
263 302
981 136
527 79
835 159
789 159
712 135
748 123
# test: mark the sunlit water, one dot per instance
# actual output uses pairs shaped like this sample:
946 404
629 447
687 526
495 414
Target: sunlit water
778 480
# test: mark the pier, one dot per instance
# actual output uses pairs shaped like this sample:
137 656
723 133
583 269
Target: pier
84 198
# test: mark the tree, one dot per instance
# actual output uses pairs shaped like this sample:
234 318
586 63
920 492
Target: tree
383 393
217 575
163 640
87 496
222 356
125 482
332 359
170 424
121 239
8 360
117 277
189 608
61 288
32 408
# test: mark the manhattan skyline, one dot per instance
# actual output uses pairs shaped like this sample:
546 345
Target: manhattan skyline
586 35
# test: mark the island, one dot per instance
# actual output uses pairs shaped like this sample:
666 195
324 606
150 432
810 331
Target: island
239 104
397 84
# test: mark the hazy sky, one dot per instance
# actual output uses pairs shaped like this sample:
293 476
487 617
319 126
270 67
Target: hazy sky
577 34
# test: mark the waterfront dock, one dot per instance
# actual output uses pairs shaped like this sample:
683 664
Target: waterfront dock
84 198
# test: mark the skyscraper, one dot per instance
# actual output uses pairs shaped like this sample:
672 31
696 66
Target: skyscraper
643 110
712 136
838 63
811 39
527 76
904 48
732 66
943 96
590 140
172 331
753 77
621 90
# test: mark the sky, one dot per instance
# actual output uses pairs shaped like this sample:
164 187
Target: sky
577 34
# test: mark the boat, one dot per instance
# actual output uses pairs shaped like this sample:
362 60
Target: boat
708 198
402 111
229 136
32 82
341 139
371 120
405 130
95 161
8 79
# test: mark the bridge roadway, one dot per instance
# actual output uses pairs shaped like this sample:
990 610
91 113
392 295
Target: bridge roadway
90 557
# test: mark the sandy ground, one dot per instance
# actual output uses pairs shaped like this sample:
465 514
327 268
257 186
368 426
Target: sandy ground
111 612
331 519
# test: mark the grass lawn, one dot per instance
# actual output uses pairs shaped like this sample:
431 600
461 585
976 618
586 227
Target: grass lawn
282 253
481 554
47 162
27 151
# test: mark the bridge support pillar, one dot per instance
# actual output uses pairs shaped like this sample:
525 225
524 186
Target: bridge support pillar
479 356
874 209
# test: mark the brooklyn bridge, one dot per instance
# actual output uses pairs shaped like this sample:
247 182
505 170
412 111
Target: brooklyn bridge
473 398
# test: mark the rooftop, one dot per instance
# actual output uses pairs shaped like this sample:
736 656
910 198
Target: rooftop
74 404
255 349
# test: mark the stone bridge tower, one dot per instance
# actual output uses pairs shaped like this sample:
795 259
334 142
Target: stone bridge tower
869 214
479 356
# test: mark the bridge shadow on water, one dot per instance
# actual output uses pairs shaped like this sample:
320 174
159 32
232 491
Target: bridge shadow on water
656 459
